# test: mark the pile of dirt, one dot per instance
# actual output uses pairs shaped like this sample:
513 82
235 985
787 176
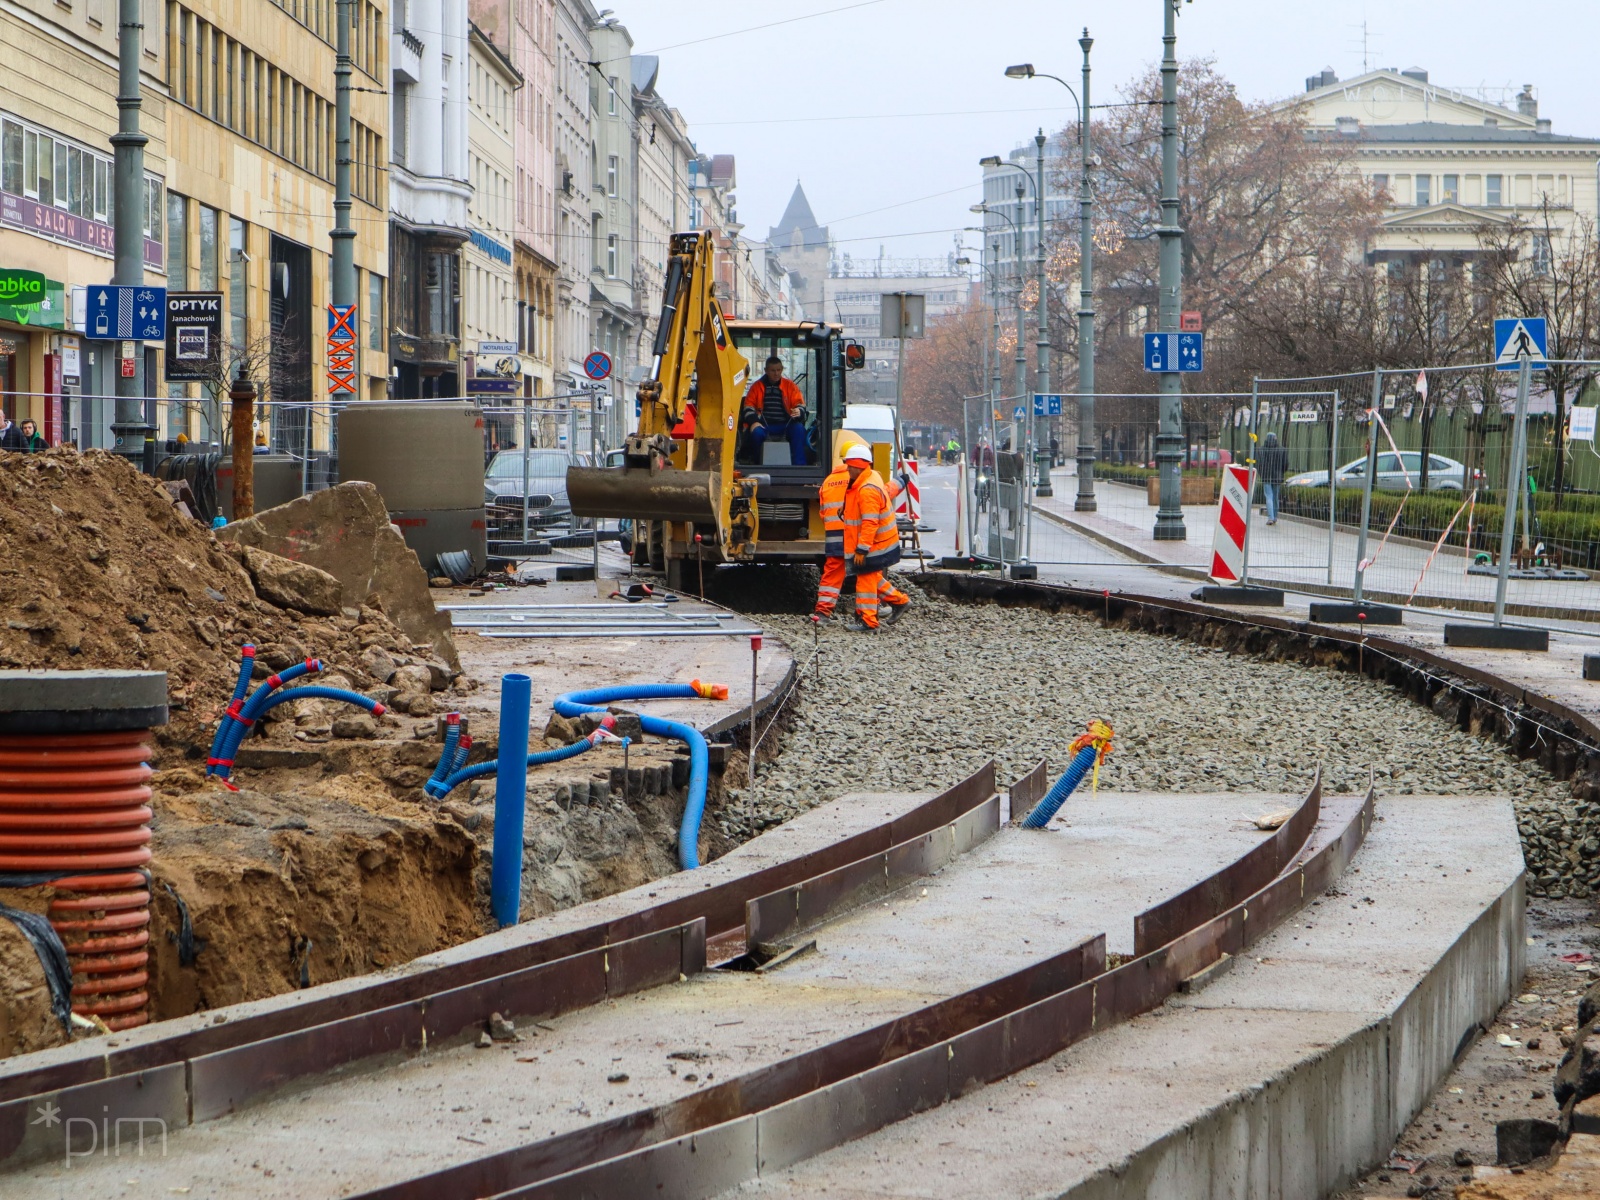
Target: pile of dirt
98 569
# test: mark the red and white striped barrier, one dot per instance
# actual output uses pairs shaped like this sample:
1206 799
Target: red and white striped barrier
1233 523
910 502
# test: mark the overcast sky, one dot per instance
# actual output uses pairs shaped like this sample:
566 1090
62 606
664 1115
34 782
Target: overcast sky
922 83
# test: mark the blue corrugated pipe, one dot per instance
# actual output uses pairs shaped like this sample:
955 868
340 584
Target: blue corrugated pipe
510 799
247 666
442 788
452 738
1089 749
240 722
577 703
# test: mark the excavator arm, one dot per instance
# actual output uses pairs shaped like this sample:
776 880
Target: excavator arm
695 373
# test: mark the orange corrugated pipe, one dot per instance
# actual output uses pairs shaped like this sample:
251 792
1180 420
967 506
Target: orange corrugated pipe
79 803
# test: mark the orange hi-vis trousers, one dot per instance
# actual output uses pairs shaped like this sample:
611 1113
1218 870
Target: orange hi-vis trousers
833 573
874 592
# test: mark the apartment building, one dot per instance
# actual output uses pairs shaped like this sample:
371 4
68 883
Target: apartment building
57 114
251 165
488 284
430 193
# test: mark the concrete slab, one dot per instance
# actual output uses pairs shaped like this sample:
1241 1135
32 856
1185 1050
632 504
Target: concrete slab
1013 900
1283 1079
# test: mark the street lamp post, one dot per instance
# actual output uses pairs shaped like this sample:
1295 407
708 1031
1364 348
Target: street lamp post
1169 437
1085 501
1041 423
1016 228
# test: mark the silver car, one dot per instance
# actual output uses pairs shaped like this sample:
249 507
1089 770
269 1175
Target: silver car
546 495
1444 474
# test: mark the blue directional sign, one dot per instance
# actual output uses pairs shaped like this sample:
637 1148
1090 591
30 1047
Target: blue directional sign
1516 338
126 313
1046 405
1191 351
1165 353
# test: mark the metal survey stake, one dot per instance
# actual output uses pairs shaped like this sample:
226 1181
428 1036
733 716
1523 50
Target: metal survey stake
755 655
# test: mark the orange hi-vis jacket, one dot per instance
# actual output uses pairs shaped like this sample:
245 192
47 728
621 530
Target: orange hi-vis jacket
869 523
793 399
831 502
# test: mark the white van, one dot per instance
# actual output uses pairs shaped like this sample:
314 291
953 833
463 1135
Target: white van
873 423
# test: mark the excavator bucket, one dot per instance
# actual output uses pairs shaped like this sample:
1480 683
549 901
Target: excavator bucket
637 493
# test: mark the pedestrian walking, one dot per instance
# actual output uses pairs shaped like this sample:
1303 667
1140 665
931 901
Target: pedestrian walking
32 443
1274 465
10 435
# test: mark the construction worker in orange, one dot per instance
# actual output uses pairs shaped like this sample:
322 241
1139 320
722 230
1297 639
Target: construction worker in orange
872 541
832 506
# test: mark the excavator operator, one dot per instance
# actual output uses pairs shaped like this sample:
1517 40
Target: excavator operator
774 408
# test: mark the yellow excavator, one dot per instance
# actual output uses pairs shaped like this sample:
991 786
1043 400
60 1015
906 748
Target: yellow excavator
699 491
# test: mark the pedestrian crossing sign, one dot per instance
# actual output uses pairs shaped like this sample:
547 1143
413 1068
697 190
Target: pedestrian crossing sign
1516 338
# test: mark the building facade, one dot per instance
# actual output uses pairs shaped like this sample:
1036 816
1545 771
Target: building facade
806 250
488 281
854 299
251 165
614 213
574 178
430 194
1451 160
662 155
57 114
535 255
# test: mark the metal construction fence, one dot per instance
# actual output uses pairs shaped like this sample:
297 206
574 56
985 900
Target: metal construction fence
1424 527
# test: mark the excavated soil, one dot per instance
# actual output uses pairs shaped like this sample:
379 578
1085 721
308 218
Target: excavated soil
98 569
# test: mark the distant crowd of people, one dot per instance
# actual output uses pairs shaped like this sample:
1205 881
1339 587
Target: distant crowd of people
22 438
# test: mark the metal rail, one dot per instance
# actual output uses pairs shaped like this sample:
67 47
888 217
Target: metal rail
151 1075
779 1114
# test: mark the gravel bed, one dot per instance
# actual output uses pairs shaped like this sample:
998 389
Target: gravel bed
921 705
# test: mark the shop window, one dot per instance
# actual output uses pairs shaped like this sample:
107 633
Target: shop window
177 242
238 282
374 311
208 249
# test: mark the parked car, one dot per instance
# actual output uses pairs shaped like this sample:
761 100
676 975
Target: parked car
546 496
1444 474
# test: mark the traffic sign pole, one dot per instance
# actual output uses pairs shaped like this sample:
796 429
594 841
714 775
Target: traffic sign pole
131 425
1515 479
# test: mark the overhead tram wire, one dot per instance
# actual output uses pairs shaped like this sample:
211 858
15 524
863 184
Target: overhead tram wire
751 29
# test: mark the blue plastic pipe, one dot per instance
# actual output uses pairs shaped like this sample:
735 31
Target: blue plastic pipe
1064 787
247 666
510 799
575 704
270 701
240 727
447 759
477 771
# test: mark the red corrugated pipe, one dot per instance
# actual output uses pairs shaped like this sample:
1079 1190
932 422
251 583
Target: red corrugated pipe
76 806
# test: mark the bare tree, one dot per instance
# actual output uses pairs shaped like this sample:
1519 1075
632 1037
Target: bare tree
947 365
1538 267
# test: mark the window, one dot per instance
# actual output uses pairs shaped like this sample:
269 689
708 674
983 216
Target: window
238 283
61 175
612 165
611 97
1380 184
374 311
177 242
1491 190
1542 257
11 143
208 249
154 210
102 189
611 255
1450 189
1424 190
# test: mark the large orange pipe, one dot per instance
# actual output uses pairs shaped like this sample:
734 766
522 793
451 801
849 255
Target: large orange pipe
80 803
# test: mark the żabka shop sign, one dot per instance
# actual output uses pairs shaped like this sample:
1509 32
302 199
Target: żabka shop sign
21 287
